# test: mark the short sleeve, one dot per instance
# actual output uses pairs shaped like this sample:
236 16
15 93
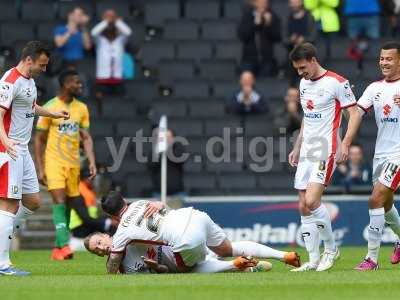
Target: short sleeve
43 123
345 94
366 100
6 94
85 120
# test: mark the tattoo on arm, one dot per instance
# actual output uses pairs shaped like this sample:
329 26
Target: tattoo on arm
113 263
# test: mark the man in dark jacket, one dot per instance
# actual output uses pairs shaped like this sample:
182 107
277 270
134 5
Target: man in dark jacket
259 30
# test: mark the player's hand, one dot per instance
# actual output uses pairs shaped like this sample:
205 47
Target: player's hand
92 171
293 158
396 100
151 264
153 208
10 144
344 153
61 114
42 177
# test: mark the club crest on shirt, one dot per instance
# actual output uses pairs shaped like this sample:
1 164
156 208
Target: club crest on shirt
377 96
310 105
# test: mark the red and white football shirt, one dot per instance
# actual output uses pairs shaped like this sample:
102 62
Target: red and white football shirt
322 100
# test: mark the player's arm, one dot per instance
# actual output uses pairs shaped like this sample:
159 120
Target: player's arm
155 266
293 157
43 112
114 262
40 145
9 144
354 117
87 142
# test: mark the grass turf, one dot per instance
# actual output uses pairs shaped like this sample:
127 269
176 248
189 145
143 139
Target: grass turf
84 278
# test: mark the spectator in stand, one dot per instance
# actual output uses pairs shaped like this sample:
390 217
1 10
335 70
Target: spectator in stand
363 24
391 10
290 117
300 28
356 172
73 38
328 23
247 99
259 30
175 164
110 37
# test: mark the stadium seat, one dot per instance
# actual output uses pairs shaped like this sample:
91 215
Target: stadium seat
229 50
122 7
118 109
192 166
262 128
214 69
138 36
102 151
152 52
45 30
225 167
181 30
191 89
156 12
276 181
196 145
216 127
213 108
138 185
141 91
170 70
281 9
237 181
174 108
198 181
8 10
64 7
202 9
232 9
38 11
102 128
131 165
264 164
196 50
186 127
130 128
219 30
16 31
225 89
272 87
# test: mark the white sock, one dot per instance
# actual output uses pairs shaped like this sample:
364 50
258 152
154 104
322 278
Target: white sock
375 230
392 218
324 226
310 235
6 230
214 266
22 213
247 248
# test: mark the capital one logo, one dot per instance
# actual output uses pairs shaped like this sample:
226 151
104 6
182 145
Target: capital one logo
387 109
310 105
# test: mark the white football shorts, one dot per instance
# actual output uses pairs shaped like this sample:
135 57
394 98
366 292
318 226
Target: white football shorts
317 171
387 172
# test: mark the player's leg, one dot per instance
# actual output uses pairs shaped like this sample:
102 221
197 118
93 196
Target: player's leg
392 218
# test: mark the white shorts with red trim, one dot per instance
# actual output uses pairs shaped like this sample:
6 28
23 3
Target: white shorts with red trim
387 172
201 232
17 177
317 171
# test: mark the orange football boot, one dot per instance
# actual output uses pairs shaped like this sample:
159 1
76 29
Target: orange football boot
67 252
56 254
243 262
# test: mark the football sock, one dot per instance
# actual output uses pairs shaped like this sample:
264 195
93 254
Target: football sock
375 230
6 230
213 266
310 235
324 225
247 248
60 223
392 218
22 213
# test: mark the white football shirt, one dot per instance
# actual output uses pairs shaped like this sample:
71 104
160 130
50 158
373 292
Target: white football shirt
379 95
18 97
322 100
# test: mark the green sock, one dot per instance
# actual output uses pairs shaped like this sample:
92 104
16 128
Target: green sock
60 222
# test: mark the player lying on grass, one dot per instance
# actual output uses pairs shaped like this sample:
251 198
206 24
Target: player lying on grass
147 258
188 231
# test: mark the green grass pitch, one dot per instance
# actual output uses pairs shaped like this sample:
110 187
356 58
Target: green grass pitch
84 278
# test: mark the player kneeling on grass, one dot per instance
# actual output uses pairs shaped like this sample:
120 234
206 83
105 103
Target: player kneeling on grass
147 258
188 231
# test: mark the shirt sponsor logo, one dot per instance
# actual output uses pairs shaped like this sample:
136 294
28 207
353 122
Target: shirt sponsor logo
30 115
313 115
68 128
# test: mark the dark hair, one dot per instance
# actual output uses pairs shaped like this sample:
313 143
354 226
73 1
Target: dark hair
303 51
113 203
391 45
65 75
34 49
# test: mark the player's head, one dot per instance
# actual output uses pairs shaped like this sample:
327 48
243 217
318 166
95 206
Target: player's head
113 203
389 60
70 82
98 243
35 56
304 60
